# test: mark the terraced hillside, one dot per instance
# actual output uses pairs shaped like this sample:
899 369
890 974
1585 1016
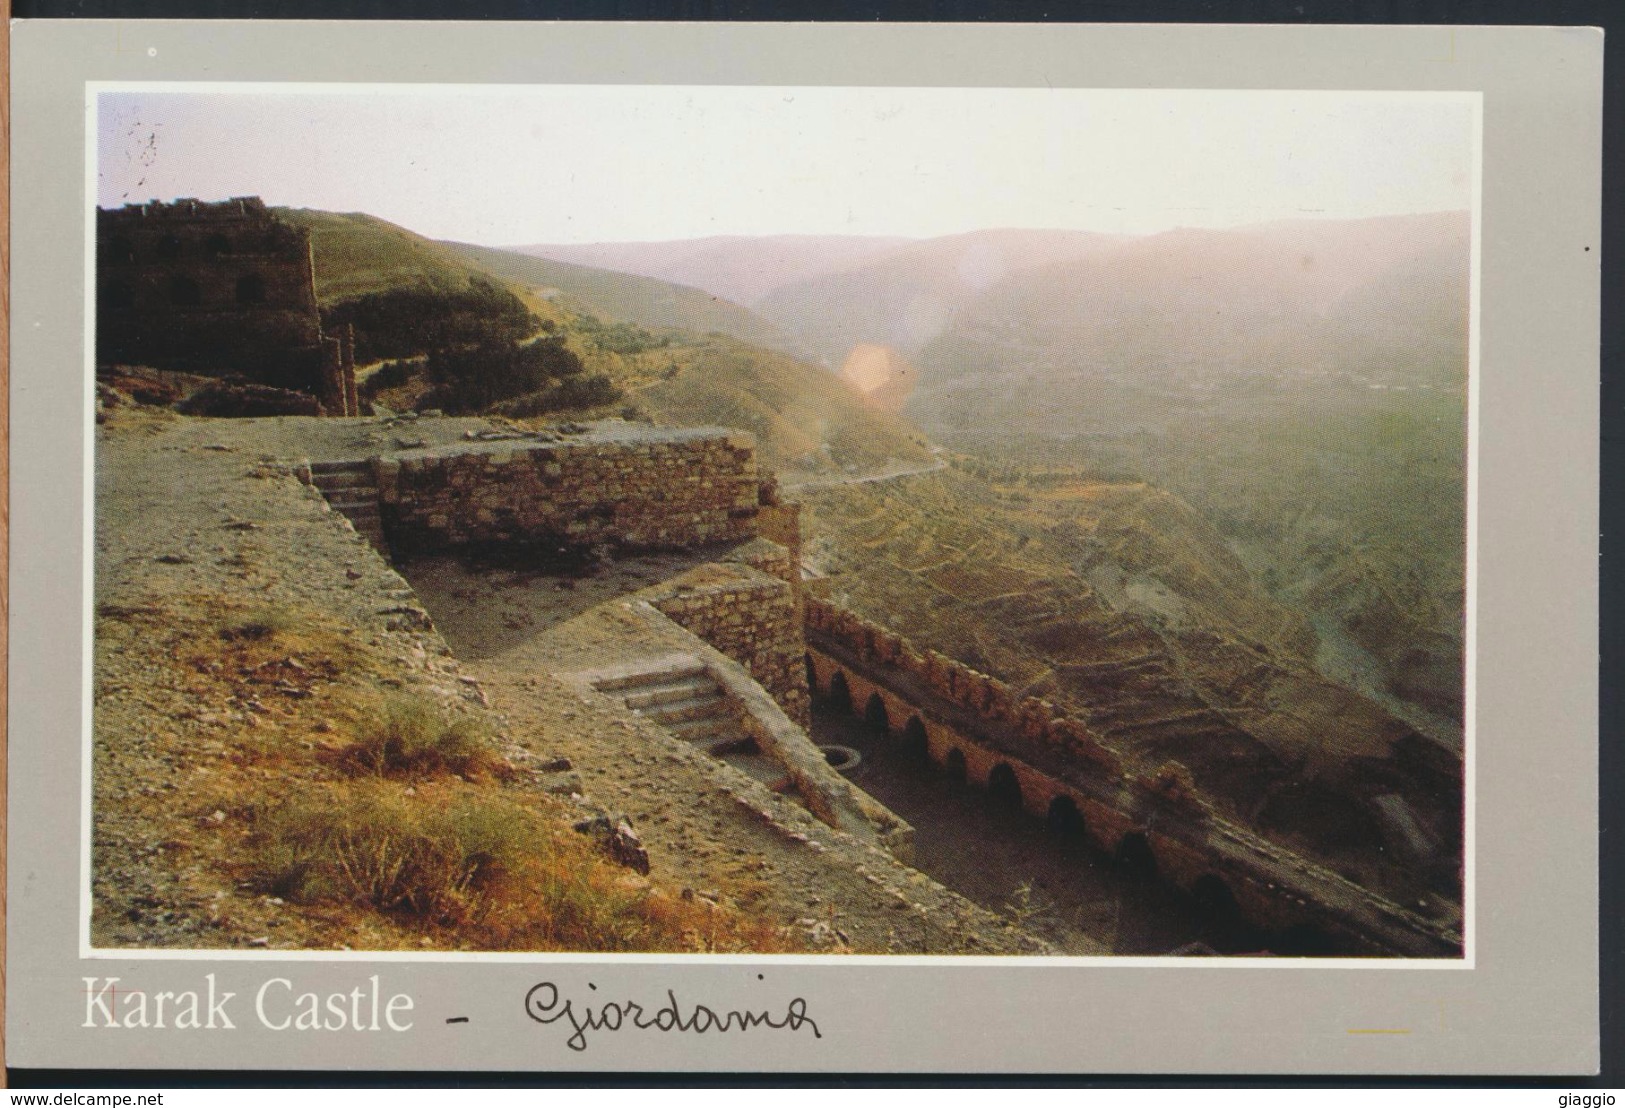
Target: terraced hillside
805 419
1122 604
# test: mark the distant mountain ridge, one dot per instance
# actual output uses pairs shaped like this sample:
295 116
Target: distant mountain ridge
826 295
907 297
629 297
740 268
833 292
357 254
1384 295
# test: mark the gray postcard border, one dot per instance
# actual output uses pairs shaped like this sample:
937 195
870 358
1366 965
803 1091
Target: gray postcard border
1528 1005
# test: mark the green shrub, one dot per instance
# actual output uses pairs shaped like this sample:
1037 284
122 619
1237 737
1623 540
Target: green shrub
474 378
400 322
573 394
390 375
620 338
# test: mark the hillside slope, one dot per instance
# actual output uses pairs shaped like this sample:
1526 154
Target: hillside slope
1386 296
625 296
911 294
356 254
696 363
1303 385
741 268
1121 604
805 419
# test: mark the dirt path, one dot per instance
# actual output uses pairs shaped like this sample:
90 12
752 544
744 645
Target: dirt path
865 478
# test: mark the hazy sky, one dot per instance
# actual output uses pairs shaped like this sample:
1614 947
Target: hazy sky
510 165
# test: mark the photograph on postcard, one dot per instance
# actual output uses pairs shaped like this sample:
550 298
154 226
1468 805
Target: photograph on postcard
788 521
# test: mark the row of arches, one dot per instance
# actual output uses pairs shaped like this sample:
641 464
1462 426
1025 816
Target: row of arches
182 291
1132 851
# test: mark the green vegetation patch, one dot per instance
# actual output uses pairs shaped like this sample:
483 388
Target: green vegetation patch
473 378
401 322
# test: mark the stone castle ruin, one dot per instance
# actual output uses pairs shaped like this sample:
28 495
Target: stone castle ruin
218 289
723 655
746 636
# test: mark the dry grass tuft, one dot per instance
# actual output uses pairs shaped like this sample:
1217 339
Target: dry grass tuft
412 735
499 873
260 625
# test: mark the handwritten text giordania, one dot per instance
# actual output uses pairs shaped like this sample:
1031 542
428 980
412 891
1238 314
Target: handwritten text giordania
546 1003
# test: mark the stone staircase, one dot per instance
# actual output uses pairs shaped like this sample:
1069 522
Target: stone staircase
686 700
351 488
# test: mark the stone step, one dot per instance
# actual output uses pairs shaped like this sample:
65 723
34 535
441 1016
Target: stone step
707 732
346 479
347 465
664 675
684 711
671 692
354 507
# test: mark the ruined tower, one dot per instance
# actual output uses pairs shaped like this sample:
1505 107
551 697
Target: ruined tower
217 289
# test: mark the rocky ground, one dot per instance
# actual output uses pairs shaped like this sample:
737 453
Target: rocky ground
244 633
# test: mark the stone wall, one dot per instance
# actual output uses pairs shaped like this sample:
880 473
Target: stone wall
780 522
217 289
1034 727
828 795
749 616
640 490
974 725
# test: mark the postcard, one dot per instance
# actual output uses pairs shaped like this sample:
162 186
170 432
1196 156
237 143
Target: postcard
717 547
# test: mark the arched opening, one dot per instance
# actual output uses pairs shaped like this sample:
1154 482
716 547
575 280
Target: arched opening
1134 855
217 245
954 766
1214 899
169 248
184 291
839 695
874 714
1064 818
251 289
1003 790
915 743
116 296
